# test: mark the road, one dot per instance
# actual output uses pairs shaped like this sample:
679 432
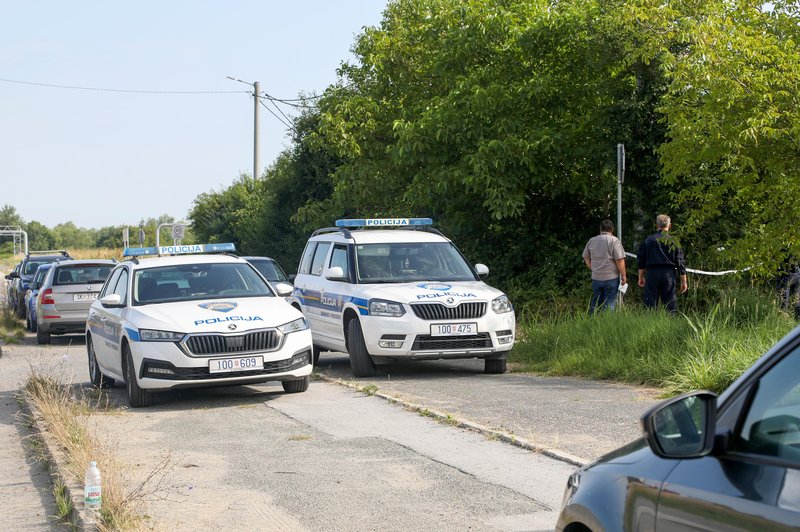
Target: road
334 458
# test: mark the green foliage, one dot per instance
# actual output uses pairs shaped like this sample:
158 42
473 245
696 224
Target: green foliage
732 113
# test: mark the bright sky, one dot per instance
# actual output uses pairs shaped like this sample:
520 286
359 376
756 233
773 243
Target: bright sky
100 158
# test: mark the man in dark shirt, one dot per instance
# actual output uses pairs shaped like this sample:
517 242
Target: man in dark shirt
659 259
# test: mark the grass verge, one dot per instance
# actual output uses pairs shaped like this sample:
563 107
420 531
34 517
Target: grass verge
11 329
63 411
698 350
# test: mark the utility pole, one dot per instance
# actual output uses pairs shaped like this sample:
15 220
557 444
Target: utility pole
256 135
620 180
256 154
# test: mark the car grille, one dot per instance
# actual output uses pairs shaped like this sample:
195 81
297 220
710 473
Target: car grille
426 342
437 311
215 344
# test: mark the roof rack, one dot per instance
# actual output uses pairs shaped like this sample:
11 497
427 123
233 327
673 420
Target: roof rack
48 252
342 230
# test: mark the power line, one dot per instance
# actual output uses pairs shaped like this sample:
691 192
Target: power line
281 120
103 89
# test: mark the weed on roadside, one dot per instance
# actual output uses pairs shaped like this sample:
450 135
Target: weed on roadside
369 389
65 509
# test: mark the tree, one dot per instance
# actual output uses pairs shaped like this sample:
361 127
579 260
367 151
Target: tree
9 216
39 236
733 110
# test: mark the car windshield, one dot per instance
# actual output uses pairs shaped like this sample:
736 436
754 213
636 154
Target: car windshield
82 274
408 262
270 270
185 282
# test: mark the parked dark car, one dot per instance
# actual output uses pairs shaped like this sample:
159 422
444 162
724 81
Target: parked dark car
270 269
20 279
704 463
30 296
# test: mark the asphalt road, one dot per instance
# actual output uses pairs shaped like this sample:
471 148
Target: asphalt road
334 458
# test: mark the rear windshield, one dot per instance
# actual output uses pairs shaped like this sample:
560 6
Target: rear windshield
270 270
184 282
82 274
32 264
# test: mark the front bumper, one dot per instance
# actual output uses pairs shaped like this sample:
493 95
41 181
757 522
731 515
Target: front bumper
164 365
410 337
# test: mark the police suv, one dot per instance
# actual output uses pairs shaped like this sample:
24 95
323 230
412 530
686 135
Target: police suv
384 289
188 318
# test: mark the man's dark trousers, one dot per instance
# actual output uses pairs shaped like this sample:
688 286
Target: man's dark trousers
660 284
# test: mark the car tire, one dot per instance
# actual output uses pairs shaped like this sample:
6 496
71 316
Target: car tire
95 375
28 324
296 386
316 350
136 396
360 361
42 337
34 326
494 365
21 309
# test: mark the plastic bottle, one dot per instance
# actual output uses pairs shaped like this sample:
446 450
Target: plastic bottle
92 494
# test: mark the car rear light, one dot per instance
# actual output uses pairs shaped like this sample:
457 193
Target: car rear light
46 298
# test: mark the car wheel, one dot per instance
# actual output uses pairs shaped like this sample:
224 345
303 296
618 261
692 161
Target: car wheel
42 337
136 396
494 365
360 361
316 350
296 386
34 326
95 375
28 324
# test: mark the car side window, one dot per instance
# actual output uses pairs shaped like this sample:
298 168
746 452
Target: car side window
308 254
108 288
121 287
339 258
319 258
772 424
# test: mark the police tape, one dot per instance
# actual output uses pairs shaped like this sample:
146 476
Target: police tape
701 272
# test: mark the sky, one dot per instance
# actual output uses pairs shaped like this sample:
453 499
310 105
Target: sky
105 158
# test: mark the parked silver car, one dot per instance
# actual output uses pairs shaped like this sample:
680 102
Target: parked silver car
66 294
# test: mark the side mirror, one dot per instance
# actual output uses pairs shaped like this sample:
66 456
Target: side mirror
34 285
682 427
111 301
284 289
13 275
292 277
334 274
482 269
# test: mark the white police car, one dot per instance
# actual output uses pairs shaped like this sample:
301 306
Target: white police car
194 320
405 292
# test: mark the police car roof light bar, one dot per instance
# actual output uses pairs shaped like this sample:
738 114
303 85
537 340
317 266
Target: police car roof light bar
383 222
179 250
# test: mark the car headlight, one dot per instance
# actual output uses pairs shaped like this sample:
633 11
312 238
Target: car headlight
300 324
150 335
501 305
380 307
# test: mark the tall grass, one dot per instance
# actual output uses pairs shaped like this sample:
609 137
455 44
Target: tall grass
700 349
